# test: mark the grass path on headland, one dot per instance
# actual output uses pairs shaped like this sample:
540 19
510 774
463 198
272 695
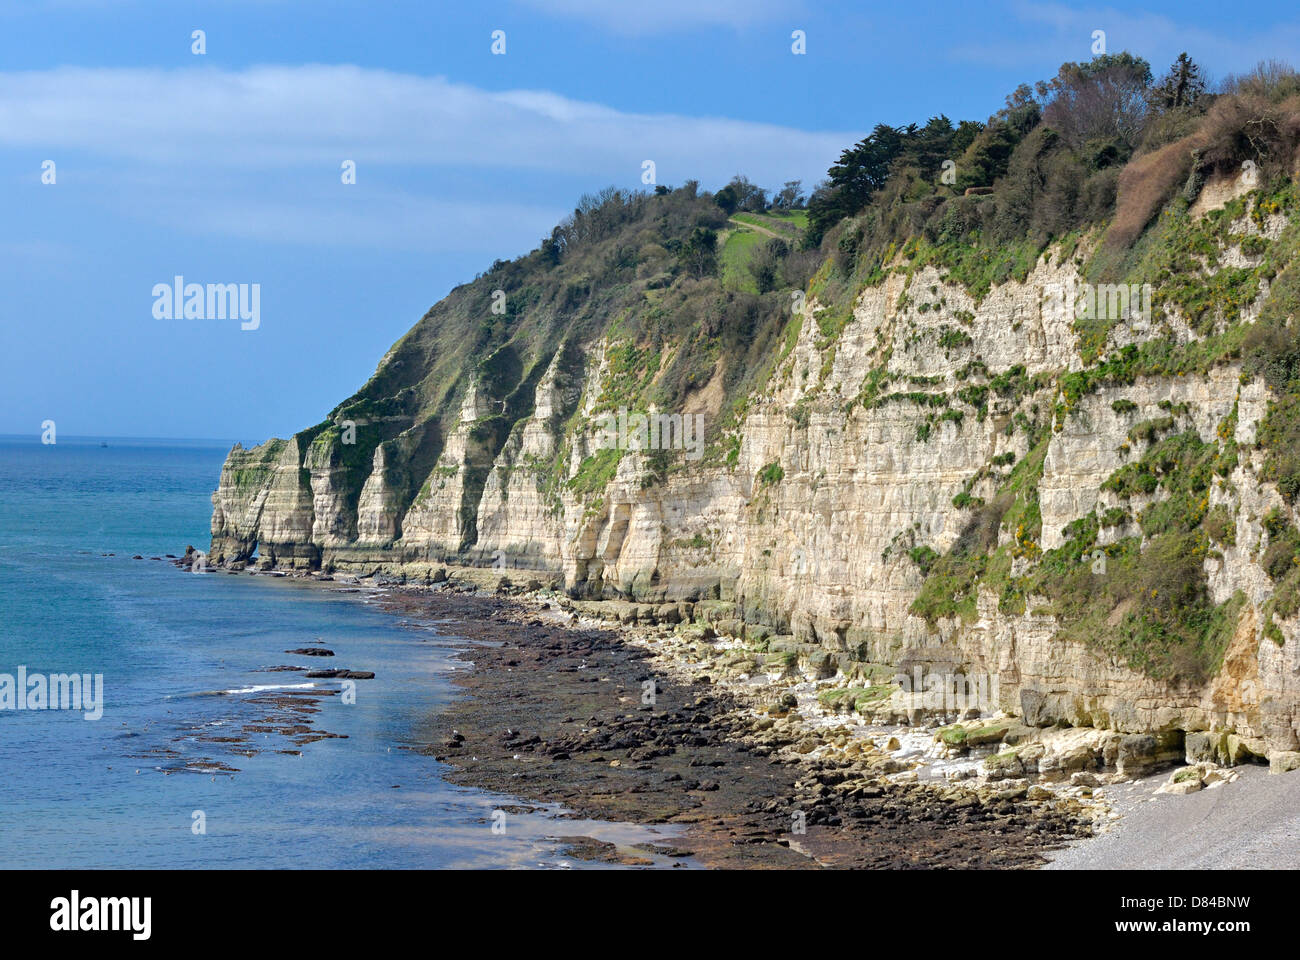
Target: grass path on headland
754 225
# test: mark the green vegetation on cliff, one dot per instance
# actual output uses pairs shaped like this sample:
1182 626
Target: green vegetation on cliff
683 300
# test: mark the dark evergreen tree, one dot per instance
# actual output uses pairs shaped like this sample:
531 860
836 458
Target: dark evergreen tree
1182 86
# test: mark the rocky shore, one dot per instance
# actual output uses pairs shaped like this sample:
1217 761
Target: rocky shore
623 722
659 714
557 713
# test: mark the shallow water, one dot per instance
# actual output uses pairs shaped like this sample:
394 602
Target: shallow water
182 658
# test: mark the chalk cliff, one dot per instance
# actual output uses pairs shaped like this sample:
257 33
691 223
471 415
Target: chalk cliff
912 471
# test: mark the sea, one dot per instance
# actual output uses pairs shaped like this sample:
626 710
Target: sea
194 761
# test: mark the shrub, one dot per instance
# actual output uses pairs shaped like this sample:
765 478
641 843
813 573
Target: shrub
1149 430
1146 184
925 558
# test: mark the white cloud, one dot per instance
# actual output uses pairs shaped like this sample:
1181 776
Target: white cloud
290 116
239 153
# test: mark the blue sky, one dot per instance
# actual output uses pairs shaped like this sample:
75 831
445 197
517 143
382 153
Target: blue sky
225 167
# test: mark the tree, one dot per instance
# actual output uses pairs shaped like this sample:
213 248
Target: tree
765 261
790 196
726 199
926 148
698 255
965 135
1101 101
552 248
1180 87
740 194
861 170
986 158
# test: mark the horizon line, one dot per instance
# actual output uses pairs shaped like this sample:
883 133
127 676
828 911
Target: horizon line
106 436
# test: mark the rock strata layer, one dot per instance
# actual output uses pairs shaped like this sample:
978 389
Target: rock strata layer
804 529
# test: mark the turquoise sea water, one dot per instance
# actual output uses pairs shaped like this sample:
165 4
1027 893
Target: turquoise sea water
123 791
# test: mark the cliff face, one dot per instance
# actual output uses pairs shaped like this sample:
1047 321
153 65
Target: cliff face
960 481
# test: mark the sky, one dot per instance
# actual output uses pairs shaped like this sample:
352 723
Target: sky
227 166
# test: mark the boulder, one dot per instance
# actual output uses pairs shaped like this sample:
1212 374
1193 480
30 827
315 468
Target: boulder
1137 755
821 664
993 733
731 628
1030 754
1283 761
1187 780
1012 790
1204 747
1244 749
1060 766
668 613
1003 766
1017 733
